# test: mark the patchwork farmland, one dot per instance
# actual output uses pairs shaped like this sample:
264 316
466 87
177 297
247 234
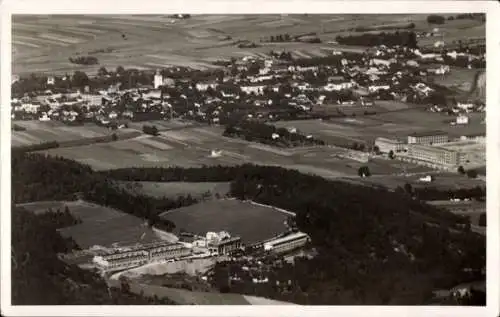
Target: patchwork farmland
192 147
234 216
44 43
47 131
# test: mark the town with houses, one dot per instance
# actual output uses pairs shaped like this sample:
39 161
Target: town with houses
250 94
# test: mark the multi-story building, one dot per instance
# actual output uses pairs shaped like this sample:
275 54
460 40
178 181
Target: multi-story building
226 246
170 251
287 243
386 145
122 260
141 255
92 99
428 137
435 155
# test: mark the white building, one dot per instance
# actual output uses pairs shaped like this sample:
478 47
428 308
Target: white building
252 89
337 86
287 243
205 86
465 106
375 88
160 81
462 120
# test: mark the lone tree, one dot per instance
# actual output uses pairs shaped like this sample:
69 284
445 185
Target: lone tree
408 188
102 72
435 19
461 170
471 173
391 154
364 171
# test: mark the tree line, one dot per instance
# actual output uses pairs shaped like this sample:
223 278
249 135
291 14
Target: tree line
84 60
405 38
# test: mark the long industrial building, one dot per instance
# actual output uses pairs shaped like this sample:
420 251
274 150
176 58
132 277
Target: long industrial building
435 155
287 243
128 258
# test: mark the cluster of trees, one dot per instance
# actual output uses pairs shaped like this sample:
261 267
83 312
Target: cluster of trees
148 129
330 60
58 218
408 39
17 127
84 60
468 16
384 27
436 19
431 193
268 134
39 277
281 38
470 173
36 147
278 38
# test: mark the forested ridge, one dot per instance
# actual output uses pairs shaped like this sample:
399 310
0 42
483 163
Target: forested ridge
375 246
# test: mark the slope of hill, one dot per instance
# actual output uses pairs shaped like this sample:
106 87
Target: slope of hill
374 246
39 277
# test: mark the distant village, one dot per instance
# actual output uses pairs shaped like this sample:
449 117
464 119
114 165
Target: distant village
266 90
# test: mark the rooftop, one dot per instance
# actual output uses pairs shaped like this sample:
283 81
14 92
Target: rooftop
428 133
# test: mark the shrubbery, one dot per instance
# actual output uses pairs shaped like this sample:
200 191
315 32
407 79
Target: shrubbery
152 130
268 134
436 19
408 39
84 60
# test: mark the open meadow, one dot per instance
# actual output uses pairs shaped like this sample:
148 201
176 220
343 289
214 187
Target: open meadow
237 217
43 44
100 225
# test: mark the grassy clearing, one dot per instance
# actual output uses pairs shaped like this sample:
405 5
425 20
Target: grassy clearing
251 222
100 225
